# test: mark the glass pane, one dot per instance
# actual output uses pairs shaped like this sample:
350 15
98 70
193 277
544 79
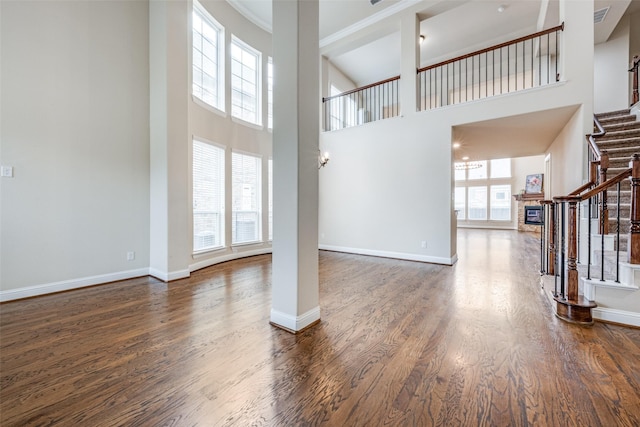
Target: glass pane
459 173
477 203
245 224
210 34
501 202
208 196
480 172
236 52
460 202
501 168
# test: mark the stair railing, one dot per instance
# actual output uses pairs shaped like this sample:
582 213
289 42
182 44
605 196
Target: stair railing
377 101
634 70
569 305
523 63
598 165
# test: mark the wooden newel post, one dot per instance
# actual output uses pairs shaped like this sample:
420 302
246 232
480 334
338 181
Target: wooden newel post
634 231
570 306
634 70
604 210
572 250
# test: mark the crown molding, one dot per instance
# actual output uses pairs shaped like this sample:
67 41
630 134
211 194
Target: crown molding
373 19
248 13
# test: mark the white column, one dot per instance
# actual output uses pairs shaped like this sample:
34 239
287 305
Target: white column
296 100
410 48
169 142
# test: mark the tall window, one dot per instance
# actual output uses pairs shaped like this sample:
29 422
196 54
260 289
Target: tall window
208 196
500 202
484 193
270 93
207 58
501 168
477 202
245 82
245 221
335 109
270 199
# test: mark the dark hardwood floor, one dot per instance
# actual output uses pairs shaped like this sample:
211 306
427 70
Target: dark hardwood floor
400 343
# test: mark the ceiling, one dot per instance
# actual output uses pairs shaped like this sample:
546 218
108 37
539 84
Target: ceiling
515 136
363 40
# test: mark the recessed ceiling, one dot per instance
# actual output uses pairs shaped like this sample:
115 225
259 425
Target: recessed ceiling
515 136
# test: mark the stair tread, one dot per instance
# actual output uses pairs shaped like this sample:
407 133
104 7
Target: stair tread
623 112
622 117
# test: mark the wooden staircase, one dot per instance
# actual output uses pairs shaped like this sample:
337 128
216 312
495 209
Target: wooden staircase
621 142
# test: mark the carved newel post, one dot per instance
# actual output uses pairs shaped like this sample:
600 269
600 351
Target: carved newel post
572 250
634 231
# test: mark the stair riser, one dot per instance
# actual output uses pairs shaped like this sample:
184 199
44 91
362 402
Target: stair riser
629 133
629 118
618 143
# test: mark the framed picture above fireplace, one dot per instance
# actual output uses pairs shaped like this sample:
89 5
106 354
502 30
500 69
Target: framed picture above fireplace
533 183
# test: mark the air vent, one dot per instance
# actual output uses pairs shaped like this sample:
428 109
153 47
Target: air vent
598 15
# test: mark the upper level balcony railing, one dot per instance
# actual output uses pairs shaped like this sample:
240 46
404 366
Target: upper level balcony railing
365 104
519 64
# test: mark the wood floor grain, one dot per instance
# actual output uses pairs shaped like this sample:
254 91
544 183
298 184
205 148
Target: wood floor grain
400 344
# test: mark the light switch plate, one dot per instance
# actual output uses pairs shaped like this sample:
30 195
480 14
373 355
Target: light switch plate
6 171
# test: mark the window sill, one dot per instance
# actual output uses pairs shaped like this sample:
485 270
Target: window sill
206 252
199 102
237 246
246 123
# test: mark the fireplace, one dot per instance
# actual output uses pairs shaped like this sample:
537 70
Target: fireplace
533 215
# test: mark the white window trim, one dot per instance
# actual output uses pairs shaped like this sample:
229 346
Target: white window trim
243 45
220 108
269 91
260 236
223 246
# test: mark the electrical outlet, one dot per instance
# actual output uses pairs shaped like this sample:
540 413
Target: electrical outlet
131 256
424 244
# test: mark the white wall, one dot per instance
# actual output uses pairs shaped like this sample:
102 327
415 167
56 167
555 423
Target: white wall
567 154
523 166
75 127
610 70
99 169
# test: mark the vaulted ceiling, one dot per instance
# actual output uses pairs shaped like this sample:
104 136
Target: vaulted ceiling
363 40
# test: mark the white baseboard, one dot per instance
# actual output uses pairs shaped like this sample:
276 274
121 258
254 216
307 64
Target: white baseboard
616 316
228 257
295 323
67 285
395 255
167 276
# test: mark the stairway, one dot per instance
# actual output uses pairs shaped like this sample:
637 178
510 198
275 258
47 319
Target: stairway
621 142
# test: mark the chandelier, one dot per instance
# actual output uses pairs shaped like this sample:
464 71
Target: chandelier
467 165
